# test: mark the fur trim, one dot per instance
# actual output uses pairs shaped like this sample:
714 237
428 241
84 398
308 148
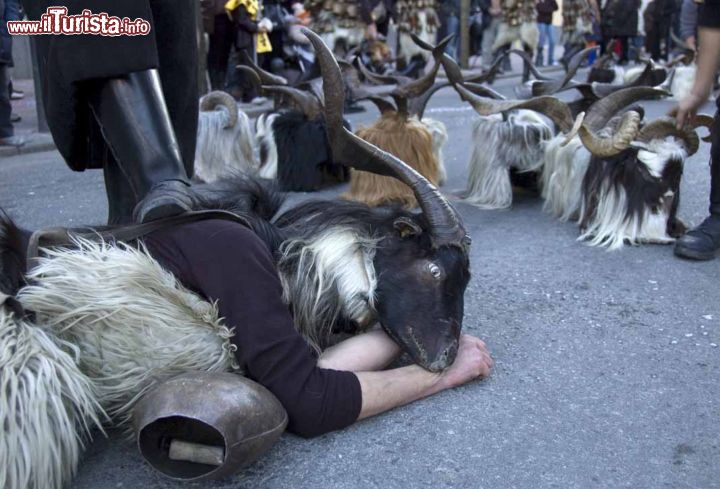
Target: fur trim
328 276
562 177
409 140
133 323
219 151
48 407
500 145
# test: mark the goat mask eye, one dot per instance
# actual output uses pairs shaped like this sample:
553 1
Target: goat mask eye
435 270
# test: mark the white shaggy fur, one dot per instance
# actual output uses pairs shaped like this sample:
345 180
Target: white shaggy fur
133 323
439 137
334 275
265 138
498 146
223 151
612 228
562 177
47 407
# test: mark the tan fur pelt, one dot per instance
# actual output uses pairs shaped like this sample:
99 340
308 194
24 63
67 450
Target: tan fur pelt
132 322
409 140
48 407
527 33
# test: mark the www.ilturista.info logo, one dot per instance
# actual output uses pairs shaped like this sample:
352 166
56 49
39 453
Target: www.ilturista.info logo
57 21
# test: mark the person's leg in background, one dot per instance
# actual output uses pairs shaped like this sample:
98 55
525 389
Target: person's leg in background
7 132
221 41
453 27
541 43
551 44
488 41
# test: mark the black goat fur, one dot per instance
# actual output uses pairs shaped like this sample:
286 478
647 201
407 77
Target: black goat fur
304 157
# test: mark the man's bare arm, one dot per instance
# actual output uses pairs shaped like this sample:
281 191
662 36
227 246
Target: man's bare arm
382 391
366 352
707 65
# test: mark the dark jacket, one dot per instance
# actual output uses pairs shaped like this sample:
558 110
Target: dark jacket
620 18
545 9
247 28
66 62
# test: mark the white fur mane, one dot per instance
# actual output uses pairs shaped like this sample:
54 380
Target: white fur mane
223 151
498 146
326 276
265 137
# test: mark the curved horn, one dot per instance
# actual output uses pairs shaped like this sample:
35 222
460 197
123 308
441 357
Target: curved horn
619 141
307 103
252 76
377 79
382 105
528 62
417 87
417 105
219 98
445 226
667 126
704 120
551 107
553 86
604 109
266 77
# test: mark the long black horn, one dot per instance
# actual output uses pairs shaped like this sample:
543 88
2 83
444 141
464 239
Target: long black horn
266 77
306 102
445 225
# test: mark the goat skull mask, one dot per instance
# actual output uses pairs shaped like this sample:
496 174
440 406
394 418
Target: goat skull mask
420 294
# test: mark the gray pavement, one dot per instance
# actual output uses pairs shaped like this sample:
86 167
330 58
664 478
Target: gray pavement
607 366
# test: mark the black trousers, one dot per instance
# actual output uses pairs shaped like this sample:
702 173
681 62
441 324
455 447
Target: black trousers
6 127
715 163
221 43
71 65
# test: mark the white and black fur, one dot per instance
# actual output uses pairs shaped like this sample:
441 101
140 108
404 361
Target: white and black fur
631 198
502 143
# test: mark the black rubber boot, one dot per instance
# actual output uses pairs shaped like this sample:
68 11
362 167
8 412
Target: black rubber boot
120 195
703 242
134 120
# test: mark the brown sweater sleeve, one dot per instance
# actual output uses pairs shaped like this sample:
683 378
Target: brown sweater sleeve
227 262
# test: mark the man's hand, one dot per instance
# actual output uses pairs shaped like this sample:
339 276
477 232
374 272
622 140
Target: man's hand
686 109
473 361
691 42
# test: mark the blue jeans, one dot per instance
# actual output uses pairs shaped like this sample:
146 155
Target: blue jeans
547 32
453 27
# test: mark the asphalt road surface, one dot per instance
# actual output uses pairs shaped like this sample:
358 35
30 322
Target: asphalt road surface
607 366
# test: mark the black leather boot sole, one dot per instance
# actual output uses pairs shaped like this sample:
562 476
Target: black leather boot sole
701 243
166 199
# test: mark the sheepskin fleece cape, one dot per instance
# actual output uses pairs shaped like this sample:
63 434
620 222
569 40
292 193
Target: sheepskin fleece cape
132 322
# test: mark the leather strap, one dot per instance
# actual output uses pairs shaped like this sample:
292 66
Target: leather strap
58 236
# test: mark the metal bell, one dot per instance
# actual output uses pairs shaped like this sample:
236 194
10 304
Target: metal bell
207 425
